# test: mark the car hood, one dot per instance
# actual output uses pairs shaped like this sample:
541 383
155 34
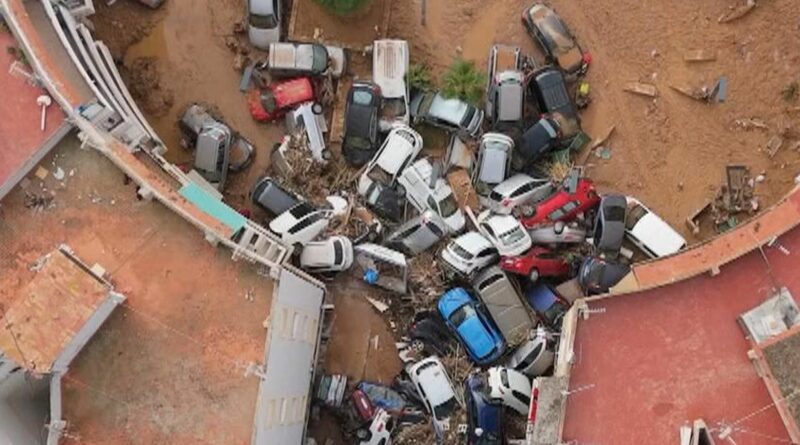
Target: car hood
476 337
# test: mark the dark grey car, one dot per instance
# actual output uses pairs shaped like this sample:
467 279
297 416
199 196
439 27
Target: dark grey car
549 86
270 196
609 225
418 234
598 275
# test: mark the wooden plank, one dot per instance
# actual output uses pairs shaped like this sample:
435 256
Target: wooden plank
699 55
643 89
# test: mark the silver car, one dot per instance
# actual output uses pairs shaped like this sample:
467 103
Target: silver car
418 234
558 233
517 190
504 304
493 163
263 22
451 114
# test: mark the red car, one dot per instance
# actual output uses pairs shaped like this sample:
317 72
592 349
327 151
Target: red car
280 97
564 205
538 262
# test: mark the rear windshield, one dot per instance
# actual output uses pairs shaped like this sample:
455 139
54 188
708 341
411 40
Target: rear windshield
634 215
444 410
615 214
320 58
263 21
512 236
463 313
301 210
460 251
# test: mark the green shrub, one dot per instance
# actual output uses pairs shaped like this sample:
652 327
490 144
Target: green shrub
465 81
342 7
419 76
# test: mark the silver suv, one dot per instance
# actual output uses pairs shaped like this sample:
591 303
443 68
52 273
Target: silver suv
505 92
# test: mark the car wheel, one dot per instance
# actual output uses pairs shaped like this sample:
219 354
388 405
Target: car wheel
417 345
326 155
363 434
533 275
316 108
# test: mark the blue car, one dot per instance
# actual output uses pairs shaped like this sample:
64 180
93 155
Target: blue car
548 305
485 419
462 313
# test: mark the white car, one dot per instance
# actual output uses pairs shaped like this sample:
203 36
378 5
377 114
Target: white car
380 430
263 22
510 388
468 254
416 180
534 357
434 388
517 190
334 254
301 224
401 146
649 232
505 232
309 118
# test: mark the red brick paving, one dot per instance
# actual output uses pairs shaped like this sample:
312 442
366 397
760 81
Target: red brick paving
661 357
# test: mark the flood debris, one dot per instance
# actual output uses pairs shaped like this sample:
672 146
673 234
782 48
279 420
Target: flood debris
750 123
699 55
774 145
717 93
738 11
642 89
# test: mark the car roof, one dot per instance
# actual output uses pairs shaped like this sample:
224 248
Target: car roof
319 252
494 160
509 100
477 336
292 90
657 235
450 110
472 242
552 28
261 7
434 381
389 66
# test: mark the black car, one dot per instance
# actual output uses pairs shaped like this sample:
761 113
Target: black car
361 123
550 32
386 202
270 196
540 139
598 275
432 335
549 87
609 225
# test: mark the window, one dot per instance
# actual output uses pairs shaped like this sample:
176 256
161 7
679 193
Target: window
525 188
338 252
461 314
487 252
634 215
528 360
448 206
304 223
362 97
461 252
512 236
380 175
556 215
407 232
491 280
433 204
435 230
300 210
570 206
263 21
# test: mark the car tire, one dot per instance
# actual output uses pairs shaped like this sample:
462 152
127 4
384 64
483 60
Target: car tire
316 108
533 275
363 434
417 345
326 155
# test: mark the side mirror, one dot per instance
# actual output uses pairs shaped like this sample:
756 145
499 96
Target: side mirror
558 228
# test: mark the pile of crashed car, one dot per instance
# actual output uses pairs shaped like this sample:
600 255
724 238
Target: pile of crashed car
514 262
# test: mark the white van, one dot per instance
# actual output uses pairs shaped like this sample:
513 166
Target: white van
389 68
416 180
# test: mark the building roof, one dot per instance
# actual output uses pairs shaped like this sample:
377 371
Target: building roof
22 142
645 363
50 312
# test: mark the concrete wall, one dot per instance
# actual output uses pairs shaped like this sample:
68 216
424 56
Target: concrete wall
24 409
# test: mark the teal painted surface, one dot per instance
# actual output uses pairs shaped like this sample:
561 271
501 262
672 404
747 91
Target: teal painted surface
213 206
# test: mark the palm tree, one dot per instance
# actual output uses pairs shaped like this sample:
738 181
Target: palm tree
464 81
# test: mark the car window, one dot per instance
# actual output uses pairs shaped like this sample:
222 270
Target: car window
504 377
460 251
487 252
556 214
407 232
338 253
512 236
461 314
448 206
522 190
435 230
570 206
635 213
433 204
362 97
302 224
615 214
526 399
531 357
263 21
491 280
301 210
488 230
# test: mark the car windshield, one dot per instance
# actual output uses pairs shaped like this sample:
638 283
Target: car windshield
358 142
320 58
393 107
380 175
362 97
635 213
338 253
555 34
615 214
468 117
263 21
461 314
512 236
555 312
596 274
444 410
268 102
448 206
462 252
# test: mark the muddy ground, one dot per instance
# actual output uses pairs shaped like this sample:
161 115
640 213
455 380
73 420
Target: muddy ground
670 152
